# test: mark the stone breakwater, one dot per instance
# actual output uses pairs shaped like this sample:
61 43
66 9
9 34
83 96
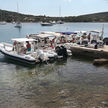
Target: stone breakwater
90 52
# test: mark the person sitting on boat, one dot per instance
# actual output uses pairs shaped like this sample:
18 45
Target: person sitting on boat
52 46
45 40
53 40
28 45
89 37
35 45
14 46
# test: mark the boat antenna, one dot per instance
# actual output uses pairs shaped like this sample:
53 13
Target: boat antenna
102 32
59 11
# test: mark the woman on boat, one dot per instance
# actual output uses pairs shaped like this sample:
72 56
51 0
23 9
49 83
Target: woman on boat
28 46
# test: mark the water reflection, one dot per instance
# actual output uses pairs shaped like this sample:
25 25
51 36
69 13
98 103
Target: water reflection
19 29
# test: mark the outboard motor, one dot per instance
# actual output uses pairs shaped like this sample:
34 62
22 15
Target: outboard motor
58 51
61 51
85 42
64 52
93 42
105 41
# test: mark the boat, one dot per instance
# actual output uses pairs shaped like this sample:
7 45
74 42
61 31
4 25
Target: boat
49 41
91 39
46 24
18 25
10 52
16 53
60 22
44 44
3 23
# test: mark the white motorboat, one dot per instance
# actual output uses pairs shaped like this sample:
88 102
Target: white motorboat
17 52
44 46
60 22
8 52
49 41
3 23
91 39
18 22
46 55
46 24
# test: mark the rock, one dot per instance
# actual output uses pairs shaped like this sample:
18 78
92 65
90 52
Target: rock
100 61
105 103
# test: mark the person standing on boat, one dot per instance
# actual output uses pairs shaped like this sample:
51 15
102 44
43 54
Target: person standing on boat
89 35
14 46
28 45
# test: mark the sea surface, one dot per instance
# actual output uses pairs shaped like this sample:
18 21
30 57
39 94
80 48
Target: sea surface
71 83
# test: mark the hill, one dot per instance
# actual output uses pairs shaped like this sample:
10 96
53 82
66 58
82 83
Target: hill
96 17
14 16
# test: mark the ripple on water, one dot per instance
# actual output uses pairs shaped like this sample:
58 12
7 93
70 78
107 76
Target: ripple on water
74 82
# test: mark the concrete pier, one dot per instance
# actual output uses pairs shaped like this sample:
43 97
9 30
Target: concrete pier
90 52
100 62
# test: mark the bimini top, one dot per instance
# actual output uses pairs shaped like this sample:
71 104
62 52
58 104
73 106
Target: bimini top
57 34
81 31
68 33
95 31
45 35
23 40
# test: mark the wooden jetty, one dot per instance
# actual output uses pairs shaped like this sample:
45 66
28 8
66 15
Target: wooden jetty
90 52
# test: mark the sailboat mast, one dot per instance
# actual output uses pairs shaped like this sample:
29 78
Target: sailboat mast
18 23
59 12
102 32
17 8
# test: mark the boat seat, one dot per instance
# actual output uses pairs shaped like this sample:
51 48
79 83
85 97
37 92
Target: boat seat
9 49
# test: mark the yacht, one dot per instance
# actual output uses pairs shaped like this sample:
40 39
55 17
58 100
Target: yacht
18 23
60 22
46 24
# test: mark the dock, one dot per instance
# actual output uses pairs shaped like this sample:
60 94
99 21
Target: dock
90 52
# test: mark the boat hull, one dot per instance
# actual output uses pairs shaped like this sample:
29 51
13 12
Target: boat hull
16 58
46 24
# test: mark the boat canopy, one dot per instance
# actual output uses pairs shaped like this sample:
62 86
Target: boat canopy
45 35
81 31
95 31
68 33
23 40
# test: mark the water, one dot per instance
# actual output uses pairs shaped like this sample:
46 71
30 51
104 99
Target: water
71 83
7 32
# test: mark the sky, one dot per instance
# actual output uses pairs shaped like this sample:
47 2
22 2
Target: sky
55 7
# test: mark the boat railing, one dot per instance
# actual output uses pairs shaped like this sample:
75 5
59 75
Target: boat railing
7 46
